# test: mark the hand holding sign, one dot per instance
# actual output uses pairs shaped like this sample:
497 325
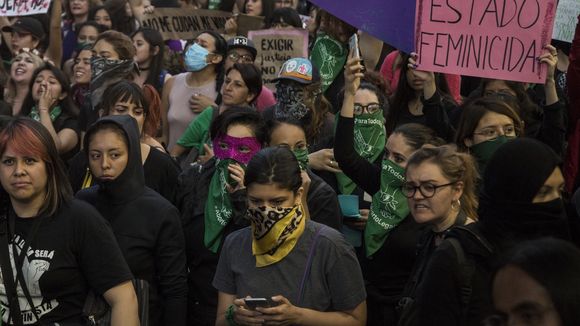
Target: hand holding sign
551 59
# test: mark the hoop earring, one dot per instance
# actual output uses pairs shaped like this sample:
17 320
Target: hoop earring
456 205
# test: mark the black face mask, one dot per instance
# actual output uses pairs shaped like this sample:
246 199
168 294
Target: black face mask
528 221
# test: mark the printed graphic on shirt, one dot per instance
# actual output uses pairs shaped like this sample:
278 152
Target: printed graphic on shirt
35 264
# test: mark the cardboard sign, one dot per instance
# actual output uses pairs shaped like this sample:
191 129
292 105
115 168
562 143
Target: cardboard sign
23 7
499 39
391 21
566 19
275 46
175 24
249 23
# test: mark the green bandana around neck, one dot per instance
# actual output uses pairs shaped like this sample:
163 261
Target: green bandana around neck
485 150
218 207
54 113
301 155
329 56
388 208
369 142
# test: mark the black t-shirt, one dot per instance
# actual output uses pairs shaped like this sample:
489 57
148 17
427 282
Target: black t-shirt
73 251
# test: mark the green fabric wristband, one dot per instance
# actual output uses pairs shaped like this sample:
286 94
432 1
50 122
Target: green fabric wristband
230 316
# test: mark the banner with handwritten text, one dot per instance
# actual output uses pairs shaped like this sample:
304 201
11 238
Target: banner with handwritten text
23 7
499 39
275 46
566 19
176 24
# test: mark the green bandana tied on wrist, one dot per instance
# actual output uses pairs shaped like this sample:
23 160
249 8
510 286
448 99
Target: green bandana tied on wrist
54 113
329 56
302 157
218 207
388 208
369 142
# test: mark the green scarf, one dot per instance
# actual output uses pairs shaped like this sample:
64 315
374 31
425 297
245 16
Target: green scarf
329 56
54 113
218 207
302 157
485 150
388 208
369 142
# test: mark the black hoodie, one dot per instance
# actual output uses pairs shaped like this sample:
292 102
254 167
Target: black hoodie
147 227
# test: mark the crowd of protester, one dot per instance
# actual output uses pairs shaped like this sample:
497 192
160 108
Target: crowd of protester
146 181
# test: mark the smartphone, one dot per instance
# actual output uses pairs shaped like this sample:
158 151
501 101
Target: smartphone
353 45
253 303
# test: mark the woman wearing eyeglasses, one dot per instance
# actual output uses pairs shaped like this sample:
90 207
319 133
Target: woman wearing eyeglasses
390 232
521 199
487 123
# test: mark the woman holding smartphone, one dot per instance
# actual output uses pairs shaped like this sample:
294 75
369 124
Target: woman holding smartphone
307 270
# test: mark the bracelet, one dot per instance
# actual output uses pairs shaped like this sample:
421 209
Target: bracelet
230 316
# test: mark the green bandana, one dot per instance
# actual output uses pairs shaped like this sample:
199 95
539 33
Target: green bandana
302 157
54 113
218 207
485 150
388 208
329 56
369 142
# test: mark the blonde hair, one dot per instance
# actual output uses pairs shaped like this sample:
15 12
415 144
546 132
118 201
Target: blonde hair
455 166
10 92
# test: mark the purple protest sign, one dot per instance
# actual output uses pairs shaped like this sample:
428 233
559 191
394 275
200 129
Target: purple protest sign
391 21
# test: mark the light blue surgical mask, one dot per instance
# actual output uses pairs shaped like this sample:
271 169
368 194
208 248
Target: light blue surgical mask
195 58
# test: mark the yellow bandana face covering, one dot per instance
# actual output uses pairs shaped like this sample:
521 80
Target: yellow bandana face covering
276 231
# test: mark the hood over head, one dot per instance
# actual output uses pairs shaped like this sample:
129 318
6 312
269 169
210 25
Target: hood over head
131 182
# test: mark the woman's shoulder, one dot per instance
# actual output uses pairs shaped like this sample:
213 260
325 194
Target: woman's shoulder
79 211
328 237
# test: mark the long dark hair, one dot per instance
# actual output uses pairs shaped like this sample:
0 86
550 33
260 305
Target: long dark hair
274 165
93 13
32 138
238 115
121 21
417 135
555 265
66 104
154 38
404 94
287 15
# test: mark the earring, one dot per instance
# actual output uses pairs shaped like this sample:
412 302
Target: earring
456 205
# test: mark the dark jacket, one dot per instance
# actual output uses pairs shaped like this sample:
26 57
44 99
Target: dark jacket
192 195
147 228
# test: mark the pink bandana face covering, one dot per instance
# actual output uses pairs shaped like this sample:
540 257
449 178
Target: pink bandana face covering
238 149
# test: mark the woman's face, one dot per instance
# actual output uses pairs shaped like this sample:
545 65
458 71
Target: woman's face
521 300
287 135
108 155
397 149
46 81
206 41
415 83
88 35
234 90
498 87
79 7
131 108
22 68
491 126
105 49
254 7
24 177
82 67
102 17
365 97
552 188
437 208
143 49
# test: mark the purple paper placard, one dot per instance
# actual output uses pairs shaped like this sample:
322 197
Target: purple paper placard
392 21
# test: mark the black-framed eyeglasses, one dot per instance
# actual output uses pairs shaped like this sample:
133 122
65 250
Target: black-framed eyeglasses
369 108
427 189
246 58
